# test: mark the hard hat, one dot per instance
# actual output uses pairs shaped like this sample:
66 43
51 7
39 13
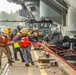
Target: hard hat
13 28
23 30
29 33
20 24
6 31
36 28
33 28
46 34
8 27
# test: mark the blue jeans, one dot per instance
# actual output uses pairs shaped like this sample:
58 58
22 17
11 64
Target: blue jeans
26 54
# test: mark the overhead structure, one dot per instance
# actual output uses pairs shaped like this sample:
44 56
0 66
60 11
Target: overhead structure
36 12
71 14
49 11
72 18
33 8
54 10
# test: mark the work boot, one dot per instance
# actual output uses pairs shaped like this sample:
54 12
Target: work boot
32 63
23 60
10 63
27 65
17 59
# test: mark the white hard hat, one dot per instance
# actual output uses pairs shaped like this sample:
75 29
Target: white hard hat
20 24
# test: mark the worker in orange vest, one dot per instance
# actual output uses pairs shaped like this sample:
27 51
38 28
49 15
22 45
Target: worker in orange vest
4 47
25 46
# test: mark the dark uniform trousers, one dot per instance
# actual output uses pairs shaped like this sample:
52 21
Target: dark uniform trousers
7 52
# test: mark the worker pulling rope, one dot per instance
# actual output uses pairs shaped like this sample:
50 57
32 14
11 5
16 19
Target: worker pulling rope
50 51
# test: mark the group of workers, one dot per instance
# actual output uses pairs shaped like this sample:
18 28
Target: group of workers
20 40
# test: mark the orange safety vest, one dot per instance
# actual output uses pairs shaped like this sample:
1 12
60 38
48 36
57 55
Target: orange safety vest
3 41
25 42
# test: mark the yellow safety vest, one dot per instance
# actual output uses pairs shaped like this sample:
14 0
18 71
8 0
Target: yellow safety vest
16 45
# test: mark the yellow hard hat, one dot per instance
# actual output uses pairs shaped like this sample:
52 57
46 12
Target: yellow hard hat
6 31
36 28
23 30
46 34
29 33
33 28
8 27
